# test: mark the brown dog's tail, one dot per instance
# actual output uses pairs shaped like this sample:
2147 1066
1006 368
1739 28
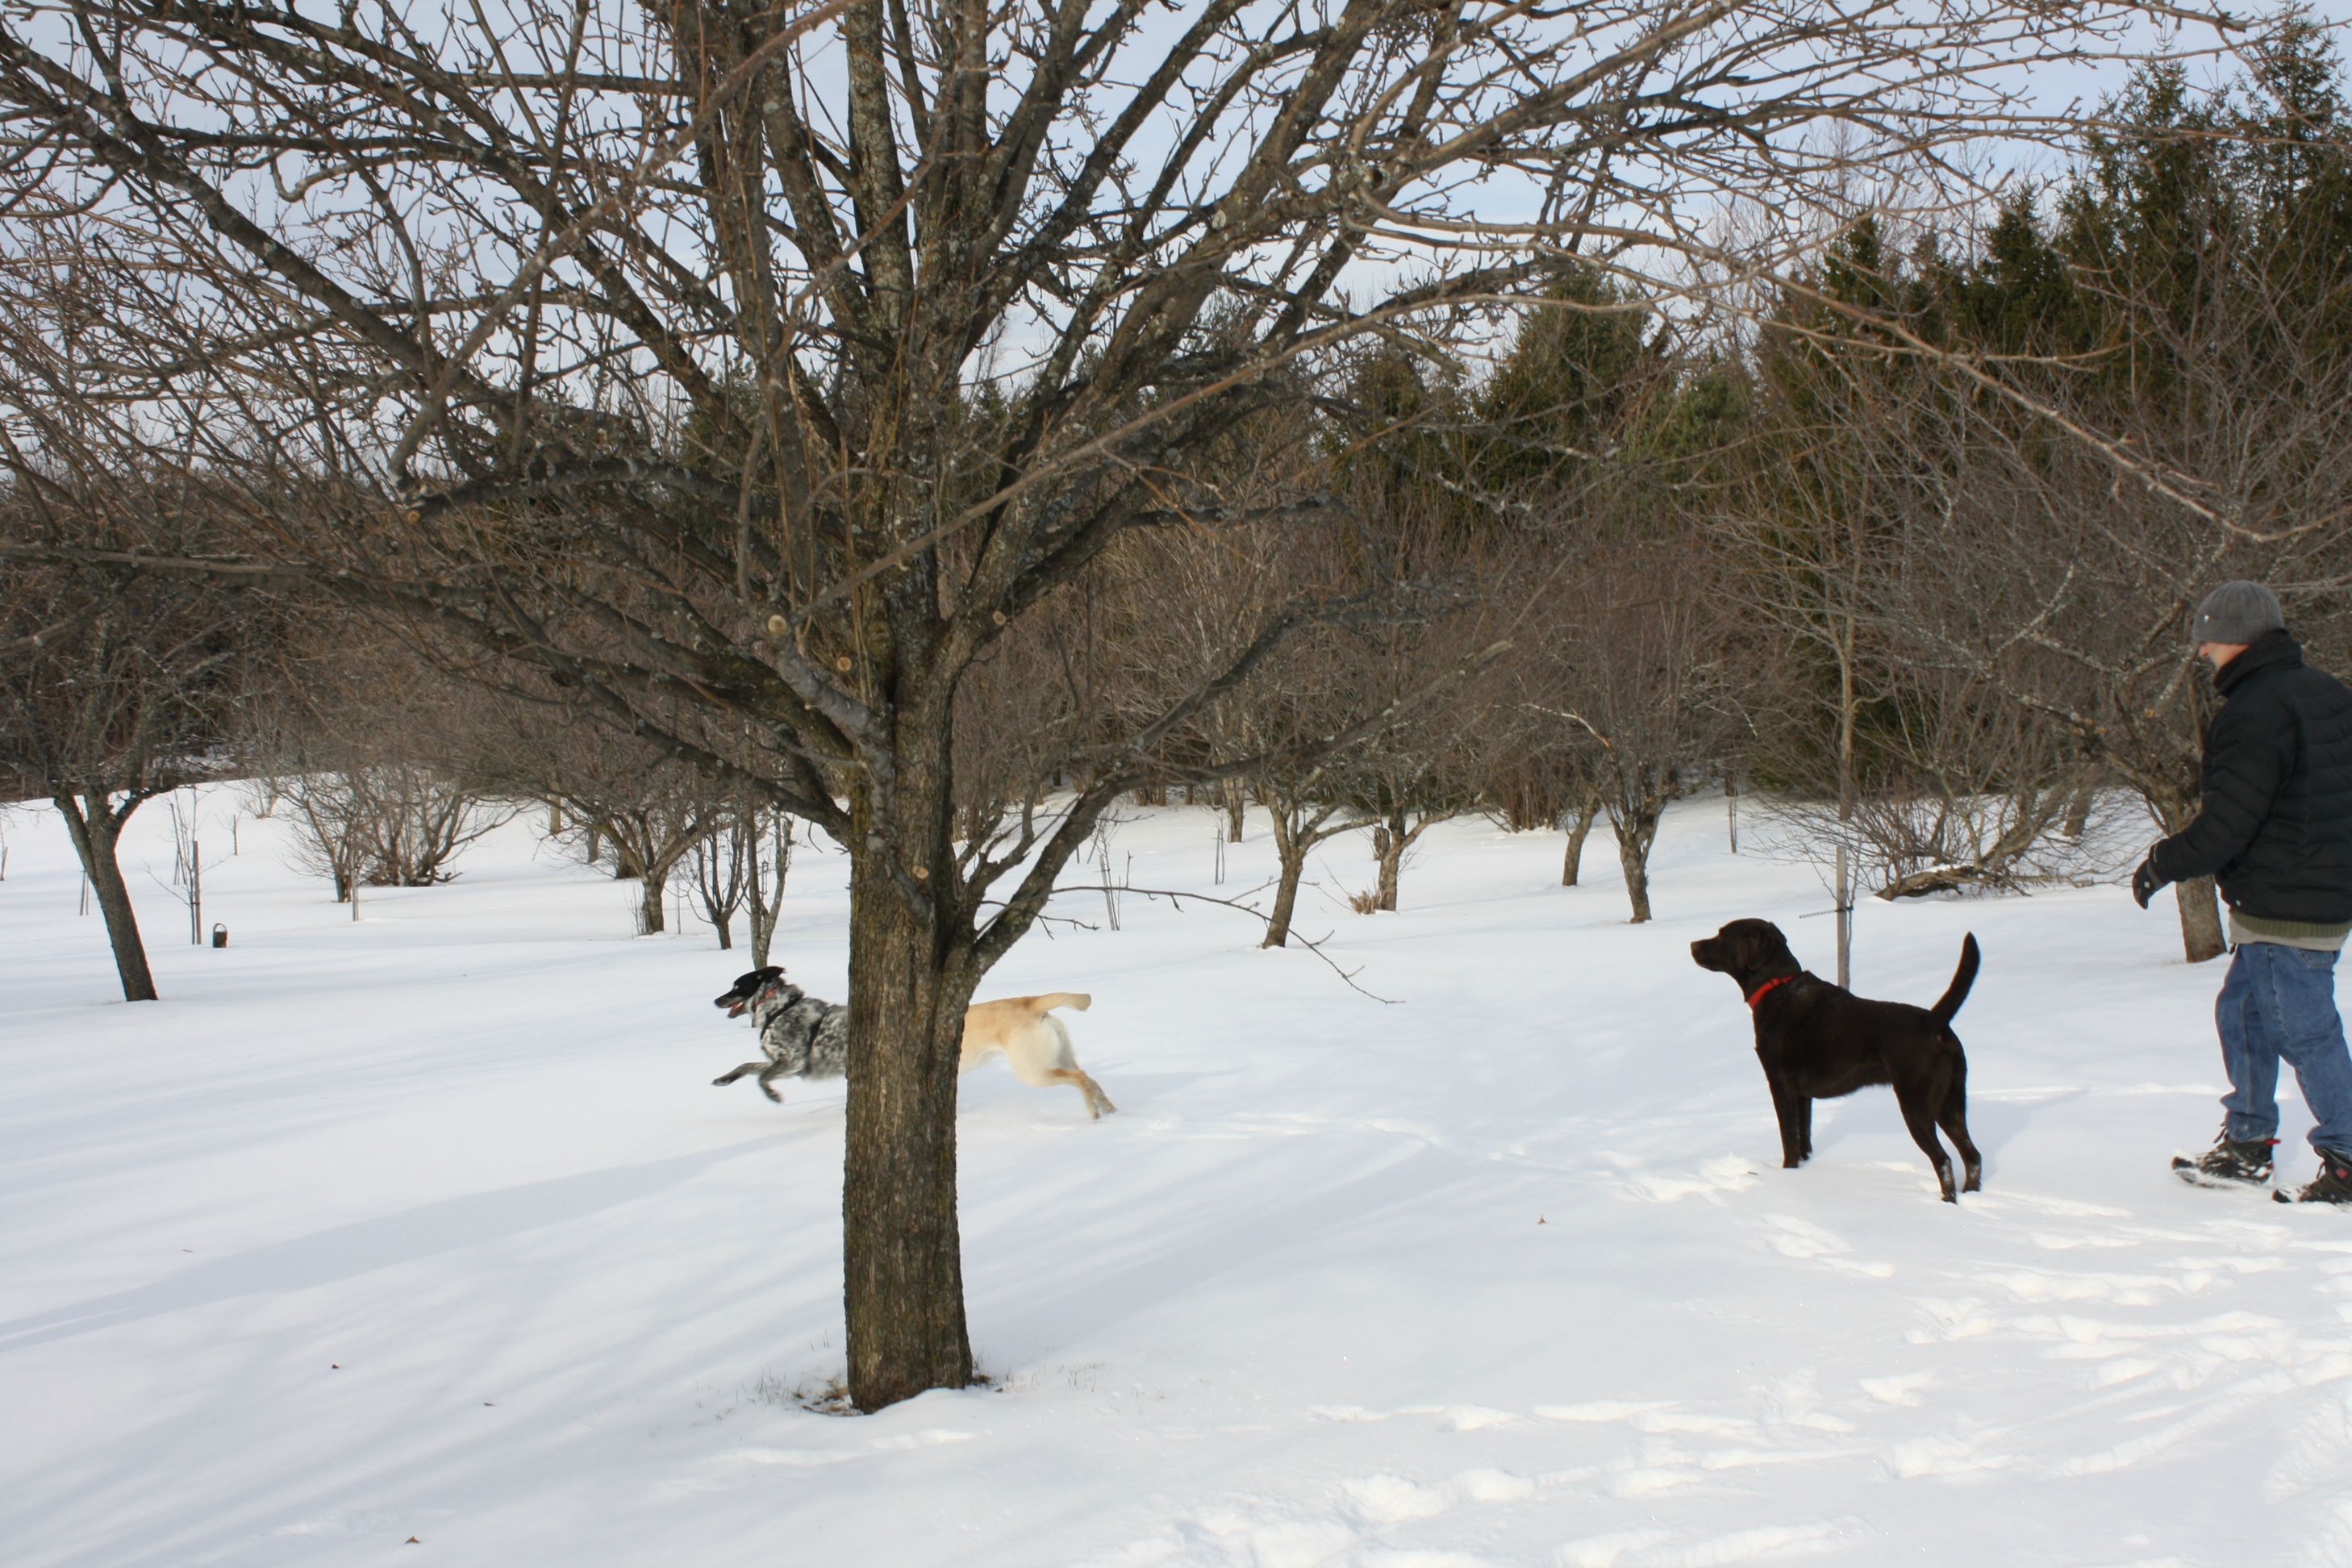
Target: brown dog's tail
1078 1000
1948 1006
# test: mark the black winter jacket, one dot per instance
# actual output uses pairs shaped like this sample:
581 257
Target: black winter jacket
2275 824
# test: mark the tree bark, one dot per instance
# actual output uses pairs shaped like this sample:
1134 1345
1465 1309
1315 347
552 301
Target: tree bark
1572 865
2200 905
902 1261
1389 843
96 829
2201 935
1236 808
1635 834
2078 811
1293 862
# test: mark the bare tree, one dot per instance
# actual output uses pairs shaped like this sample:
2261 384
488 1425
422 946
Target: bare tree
651 816
387 824
1640 681
764 900
116 686
1303 790
719 869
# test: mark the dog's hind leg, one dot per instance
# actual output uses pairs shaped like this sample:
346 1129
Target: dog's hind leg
748 1067
1045 1057
1922 1123
768 1076
1038 1075
1954 1120
1096 1101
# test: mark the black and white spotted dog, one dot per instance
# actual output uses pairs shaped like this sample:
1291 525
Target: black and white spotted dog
802 1036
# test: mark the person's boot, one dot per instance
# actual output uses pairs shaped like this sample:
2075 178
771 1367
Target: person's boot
2333 1184
2228 1163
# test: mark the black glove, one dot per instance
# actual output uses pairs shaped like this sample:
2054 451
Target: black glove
2145 882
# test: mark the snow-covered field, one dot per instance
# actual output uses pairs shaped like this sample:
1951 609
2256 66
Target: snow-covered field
432 1226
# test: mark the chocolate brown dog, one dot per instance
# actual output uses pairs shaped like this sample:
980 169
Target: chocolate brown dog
1818 1042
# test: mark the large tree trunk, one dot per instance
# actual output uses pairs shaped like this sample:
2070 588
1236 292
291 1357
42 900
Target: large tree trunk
649 906
2200 920
96 831
902 1261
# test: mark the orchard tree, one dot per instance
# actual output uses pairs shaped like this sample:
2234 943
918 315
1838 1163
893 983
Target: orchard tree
116 685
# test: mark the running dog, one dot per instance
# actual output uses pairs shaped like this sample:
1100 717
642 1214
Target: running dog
1818 1042
804 1037
801 1036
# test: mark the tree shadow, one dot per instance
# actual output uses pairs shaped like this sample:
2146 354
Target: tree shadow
344 1251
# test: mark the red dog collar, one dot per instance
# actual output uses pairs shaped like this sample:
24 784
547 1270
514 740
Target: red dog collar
1762 991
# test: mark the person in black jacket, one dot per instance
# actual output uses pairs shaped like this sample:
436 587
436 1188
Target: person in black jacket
2274 829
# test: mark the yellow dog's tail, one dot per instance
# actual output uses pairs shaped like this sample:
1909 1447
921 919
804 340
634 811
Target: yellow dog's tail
1078 1000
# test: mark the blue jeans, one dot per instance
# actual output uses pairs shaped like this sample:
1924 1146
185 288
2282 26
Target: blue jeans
2279 1004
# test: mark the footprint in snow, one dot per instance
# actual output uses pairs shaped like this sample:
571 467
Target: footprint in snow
1807 1242
1731 1174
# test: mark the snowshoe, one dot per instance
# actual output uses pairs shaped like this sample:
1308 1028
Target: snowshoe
2333 1185
2228 1163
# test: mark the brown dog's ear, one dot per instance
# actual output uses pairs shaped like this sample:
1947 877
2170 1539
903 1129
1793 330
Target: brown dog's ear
1758 943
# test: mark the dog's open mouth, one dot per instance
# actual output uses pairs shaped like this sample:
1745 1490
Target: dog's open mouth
735 1009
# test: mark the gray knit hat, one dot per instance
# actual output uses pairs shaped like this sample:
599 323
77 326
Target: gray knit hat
2236 612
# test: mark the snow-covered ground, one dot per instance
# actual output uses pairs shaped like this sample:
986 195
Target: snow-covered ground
432 1226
